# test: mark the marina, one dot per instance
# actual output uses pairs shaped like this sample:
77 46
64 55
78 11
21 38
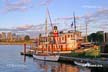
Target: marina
15 62
53 36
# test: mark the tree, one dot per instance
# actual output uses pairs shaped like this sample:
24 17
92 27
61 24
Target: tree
93 37
27 38
96 37
100 37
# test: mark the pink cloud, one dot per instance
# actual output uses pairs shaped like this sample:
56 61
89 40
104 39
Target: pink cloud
25 27
45 2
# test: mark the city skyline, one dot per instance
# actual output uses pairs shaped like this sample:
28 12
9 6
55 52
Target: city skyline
25 20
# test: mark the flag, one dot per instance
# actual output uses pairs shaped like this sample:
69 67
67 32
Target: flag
72 25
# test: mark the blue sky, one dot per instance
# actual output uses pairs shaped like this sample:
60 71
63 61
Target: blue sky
35 13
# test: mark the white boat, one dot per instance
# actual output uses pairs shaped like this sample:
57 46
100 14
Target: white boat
47 57
84 64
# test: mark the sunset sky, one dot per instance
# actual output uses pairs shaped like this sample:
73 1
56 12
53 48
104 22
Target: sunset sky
23 17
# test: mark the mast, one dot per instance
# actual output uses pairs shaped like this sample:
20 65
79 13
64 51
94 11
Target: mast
46 29
74 22
74 29
53 27
86 31
49 18
48 14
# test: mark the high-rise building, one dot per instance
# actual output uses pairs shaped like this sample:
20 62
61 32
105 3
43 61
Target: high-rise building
14 36
9 36
0 36
3 36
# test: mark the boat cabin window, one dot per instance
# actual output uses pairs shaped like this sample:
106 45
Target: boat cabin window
71 36
68 36
62 38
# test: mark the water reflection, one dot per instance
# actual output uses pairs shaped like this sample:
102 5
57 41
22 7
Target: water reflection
24 58
46 66
12 61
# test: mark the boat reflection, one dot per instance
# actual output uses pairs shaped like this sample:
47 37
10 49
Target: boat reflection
46 66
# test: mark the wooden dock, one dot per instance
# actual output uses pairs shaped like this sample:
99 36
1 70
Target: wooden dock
27 54
97 61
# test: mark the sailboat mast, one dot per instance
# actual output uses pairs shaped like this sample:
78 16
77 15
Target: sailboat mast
49 18
48 14
46 27
46 30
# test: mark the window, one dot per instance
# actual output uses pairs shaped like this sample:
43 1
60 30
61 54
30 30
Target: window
68 36
62 38
48 46
54 46
71 35
59 38
59 46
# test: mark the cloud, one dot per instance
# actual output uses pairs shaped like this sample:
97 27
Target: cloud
7 29
32 30
45 2
95 21
103 11
21 5
24 27
91 6
67 18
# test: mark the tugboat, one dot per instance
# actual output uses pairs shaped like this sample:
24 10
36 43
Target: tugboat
55 43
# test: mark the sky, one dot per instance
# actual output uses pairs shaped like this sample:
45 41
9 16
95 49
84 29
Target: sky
28 16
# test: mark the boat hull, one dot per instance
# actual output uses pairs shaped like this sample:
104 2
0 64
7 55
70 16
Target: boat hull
82 64
47 58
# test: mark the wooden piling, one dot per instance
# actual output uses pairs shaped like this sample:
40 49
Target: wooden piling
24 48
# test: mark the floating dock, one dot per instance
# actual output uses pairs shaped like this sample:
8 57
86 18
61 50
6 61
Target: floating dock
27 54
96 61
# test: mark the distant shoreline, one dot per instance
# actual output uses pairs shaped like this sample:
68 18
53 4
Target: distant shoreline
13 43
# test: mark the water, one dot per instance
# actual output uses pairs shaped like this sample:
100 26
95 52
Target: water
12 61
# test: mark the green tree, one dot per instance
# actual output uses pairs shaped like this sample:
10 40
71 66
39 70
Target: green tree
27 38
96 37
92 37
99 37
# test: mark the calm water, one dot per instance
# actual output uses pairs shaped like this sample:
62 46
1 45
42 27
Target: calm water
12 61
